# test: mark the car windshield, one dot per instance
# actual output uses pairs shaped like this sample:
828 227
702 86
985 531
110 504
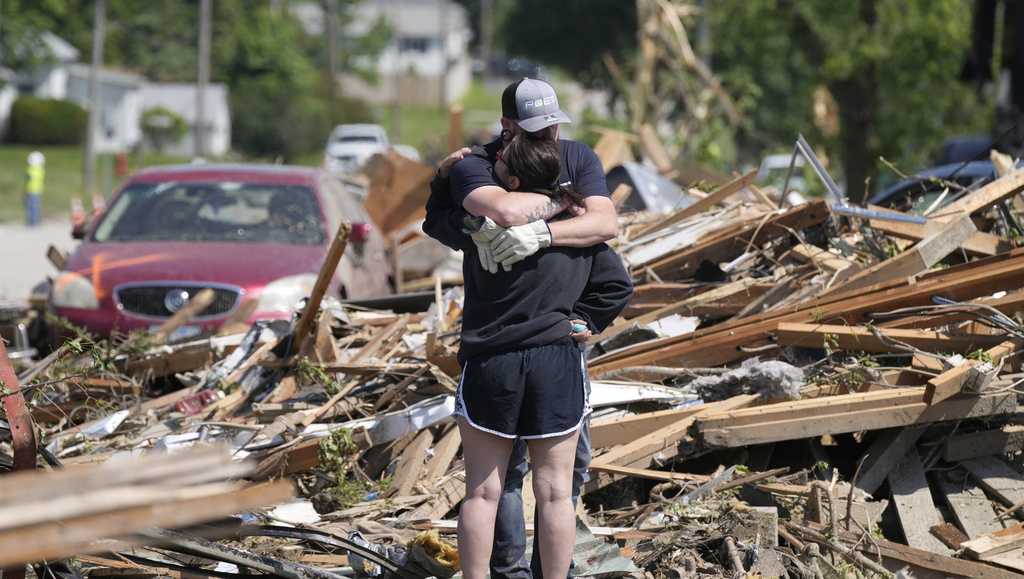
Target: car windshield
224 211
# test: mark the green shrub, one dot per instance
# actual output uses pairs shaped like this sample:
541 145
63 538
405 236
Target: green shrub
36 121
162 127
272 120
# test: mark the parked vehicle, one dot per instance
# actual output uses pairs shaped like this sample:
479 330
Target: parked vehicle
248 232
349 146
929 187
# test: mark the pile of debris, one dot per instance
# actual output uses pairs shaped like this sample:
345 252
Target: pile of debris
791 392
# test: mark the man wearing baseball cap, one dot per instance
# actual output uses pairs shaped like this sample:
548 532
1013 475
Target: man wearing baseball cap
517 228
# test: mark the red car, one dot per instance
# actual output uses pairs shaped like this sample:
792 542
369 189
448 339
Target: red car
249 232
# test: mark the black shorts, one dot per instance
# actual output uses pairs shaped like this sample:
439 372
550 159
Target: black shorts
533 393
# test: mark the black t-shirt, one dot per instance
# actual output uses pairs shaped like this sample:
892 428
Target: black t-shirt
580 167
532 304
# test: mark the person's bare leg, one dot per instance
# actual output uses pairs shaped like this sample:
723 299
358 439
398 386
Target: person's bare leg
552 460
486 457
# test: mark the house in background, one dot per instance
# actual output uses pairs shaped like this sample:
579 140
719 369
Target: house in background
120 105
427 61
123 97
8 93
181 99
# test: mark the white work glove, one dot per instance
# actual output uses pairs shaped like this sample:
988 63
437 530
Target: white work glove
519 242
483 238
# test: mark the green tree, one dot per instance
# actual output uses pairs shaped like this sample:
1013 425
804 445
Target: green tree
891 66
572 36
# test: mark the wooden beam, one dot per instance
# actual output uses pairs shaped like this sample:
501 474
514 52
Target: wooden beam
938 565
444 453
615 431
997 542
721 343
998 479
887 450
648 473
411 464
863 339
660 444
729 243
970 507
323 282
917 259
971 375
613 149
621 194
978 244
655 150
841 414
1007 440
914 506
716 197
995 192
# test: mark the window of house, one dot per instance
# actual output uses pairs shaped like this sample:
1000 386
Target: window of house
415 43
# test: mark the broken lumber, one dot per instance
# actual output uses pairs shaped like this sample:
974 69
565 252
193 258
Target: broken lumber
716 197
864 339
840 414
917 259
913 500
1006 440
970 376
887 450
985 547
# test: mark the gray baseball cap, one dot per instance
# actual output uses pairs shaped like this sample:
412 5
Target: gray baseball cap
532 104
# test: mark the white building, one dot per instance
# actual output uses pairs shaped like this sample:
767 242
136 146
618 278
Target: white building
63 78
427 60
123 97
181 99
117 128
8 93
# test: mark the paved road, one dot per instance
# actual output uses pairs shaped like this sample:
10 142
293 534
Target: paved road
23 256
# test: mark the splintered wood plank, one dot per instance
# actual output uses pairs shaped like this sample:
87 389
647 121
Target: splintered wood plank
970 507
714 198
614 431
410 464
884 454
913 500
926 564
444 452
979 244
917 259
732 242
995 543
845 413
968 375
722 343
995 192
447 495
863 339
998 479
1006 440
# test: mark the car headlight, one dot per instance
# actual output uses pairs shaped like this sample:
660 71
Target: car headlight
283 295
74 290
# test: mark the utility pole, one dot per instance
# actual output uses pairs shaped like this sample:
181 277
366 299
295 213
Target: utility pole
89 158
331 30
442 12
396 80
199 129
486 32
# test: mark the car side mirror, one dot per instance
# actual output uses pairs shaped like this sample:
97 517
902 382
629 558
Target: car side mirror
78 230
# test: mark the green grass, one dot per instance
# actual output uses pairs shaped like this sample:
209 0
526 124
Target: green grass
426 126
63 177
